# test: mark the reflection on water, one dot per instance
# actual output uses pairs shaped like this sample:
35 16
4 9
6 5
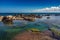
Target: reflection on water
8 24
14 23
52 19
21 23
38 23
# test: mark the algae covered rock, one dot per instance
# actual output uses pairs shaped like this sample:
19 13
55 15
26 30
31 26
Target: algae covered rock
56 31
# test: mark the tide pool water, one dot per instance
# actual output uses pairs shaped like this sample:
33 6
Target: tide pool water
10 30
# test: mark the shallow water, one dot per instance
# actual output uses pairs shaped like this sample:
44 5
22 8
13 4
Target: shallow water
52 20
42 24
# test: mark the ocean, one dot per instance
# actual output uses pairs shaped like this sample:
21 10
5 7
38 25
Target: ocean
5 14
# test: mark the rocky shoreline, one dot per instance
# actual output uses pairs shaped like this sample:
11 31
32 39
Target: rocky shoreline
20 17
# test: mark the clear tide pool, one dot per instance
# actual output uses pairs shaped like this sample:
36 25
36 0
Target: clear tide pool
21 25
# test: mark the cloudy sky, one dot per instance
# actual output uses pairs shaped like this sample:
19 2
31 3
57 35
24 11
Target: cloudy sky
25 6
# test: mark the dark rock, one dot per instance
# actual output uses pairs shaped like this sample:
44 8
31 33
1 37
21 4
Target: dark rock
7 20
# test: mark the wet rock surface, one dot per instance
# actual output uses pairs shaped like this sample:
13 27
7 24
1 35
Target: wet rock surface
28 35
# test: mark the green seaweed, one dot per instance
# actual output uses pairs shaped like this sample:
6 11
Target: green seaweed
56 31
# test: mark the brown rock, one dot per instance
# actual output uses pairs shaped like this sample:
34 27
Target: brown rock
32 36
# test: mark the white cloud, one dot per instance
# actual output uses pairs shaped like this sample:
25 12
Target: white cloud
28 10
51 9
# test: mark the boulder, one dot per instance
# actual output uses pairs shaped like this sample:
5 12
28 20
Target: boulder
7 20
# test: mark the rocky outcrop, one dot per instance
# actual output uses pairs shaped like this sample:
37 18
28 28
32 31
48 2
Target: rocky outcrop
1 17
33 36
29 18
48 17
7 20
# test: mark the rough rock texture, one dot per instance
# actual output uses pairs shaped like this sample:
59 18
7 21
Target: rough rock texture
33 36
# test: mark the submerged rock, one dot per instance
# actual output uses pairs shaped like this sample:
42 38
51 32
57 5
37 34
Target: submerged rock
56 33
32 36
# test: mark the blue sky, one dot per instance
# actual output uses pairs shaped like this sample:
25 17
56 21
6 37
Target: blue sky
18 6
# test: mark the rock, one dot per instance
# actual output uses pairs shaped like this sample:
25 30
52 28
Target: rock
7 20
32 36
1 17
